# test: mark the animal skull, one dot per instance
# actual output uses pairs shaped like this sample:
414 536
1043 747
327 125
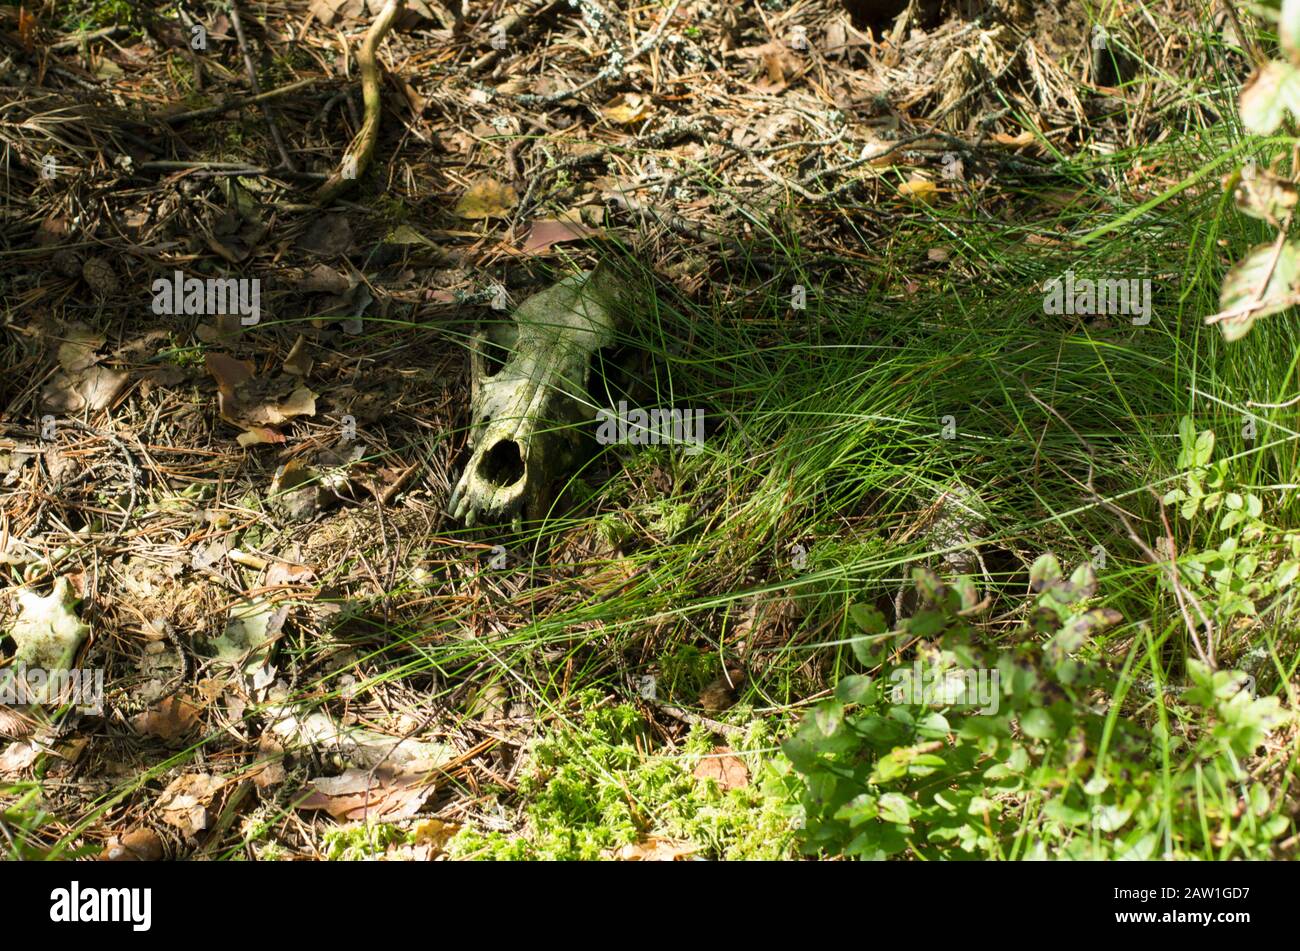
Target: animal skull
526 417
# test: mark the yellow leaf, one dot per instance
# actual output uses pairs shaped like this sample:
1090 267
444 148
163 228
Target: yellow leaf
628 108
919 189
486 198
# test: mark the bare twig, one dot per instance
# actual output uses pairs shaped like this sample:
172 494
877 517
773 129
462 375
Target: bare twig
252 81
236 102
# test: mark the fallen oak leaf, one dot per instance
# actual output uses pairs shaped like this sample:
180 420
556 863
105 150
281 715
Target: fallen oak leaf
299 362
386 794
241 400
18 756
322 279
185 803
94 388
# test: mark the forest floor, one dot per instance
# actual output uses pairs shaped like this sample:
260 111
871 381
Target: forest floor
841 223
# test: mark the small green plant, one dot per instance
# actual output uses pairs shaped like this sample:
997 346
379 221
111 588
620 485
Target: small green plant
596 786
1253 561
1048 763
361 840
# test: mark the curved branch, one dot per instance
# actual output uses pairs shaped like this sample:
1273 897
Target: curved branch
357 158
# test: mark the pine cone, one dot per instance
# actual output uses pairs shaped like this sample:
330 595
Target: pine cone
98 274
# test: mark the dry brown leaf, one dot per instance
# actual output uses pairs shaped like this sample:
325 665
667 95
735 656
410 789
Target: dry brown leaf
327 11
720 693
173 719
628 108
18 756
542 235
299 361
385 794
281 574
322 279
51 231
186 804
269 770
244 400
259 436
138 845
77 351
94 388
327 236
486 198
435 834
100 386
723 767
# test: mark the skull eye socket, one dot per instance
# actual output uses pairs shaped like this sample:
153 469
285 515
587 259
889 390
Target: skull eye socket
503 464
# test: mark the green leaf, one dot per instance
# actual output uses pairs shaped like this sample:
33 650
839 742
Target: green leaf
930 586
895 807
1111 818
802 754
1186 441
1044 572
1204 448
1286 573
828 718
1083 582
1079 628
868 619
859 809
1037 723
926 623
1265 196
1248 297
871 622
1066 815
855 689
